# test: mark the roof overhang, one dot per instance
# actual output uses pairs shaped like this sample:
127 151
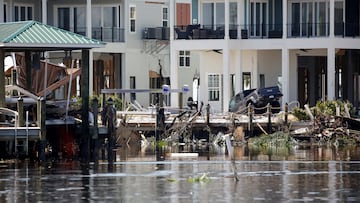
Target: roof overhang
35 36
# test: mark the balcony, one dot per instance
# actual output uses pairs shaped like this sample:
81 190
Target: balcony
218 31
158 33
105 34
266 31
302 30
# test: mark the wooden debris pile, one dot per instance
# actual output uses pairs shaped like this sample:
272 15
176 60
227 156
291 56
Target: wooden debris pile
331 125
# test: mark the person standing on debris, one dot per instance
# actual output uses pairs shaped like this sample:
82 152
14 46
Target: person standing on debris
108 118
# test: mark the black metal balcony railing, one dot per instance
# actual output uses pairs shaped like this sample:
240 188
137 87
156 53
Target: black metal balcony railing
267 31
159 33
218 31
308 30
105 34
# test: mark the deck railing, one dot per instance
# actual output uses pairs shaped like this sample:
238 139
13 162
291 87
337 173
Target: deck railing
266 31
105 34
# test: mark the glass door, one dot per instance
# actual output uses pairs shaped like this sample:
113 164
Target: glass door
258 18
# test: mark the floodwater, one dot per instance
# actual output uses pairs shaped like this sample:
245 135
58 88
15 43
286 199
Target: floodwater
303 174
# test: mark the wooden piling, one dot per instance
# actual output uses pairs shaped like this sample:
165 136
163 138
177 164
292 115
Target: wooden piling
286 113
95 133
269 124
28 70
207 114
41 112
2 79
85 138
250 115
20 109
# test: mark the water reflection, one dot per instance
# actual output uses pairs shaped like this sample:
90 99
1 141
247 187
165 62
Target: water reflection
302 174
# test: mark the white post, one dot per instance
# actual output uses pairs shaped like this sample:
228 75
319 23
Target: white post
226 78
285 74
332 18
238 72
44 11
173 57
227 13
1 11
91 72
172 20
284 8
88 19
331 73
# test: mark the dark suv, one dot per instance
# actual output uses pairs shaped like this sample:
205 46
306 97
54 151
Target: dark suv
259 98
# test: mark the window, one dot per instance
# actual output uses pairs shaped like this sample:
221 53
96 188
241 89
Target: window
214 15
165 17
258 18
23 12
132 18
214 87
104 19
64 18
311 18
4 12
262 80
233 15
184 59
232 84
132 86
80 20
246 80
339 17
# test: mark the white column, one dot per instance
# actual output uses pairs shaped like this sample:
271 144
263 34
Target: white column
284 4
1 11
332 18
174 76
331 73
227 13
255 70
226 78
91 53
173 58
240 17
238 72
10 11
172 19
88 20
43 11
285 74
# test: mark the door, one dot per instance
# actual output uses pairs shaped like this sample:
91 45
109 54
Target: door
258 18
214 91
182 14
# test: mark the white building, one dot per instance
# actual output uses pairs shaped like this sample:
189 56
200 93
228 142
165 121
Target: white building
310 48
136 33
218 47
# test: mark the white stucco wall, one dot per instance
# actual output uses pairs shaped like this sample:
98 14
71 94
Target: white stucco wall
269 63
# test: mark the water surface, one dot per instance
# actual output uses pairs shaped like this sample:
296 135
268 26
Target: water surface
310 174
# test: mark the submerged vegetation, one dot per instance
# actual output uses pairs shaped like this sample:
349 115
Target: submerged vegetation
280 143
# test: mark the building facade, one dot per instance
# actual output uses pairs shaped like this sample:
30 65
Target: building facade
217 47
136 35
309 48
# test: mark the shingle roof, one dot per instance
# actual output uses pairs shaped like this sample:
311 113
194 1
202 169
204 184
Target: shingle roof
35 35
